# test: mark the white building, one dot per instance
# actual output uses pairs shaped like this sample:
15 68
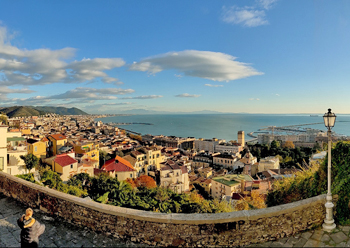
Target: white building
268 163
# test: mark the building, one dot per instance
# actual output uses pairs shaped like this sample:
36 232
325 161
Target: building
37 148
309 136
268 163
174 142
56 141
225 160
87 151
146 159
227 185
119 168
241 140
174 177
207 145
65 166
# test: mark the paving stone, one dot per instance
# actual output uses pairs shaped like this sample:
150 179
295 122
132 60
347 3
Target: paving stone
325 238
317 235
345 229
292 241
339 237
276 244
287 245
342 244
306 235
10 241
301 242
312 243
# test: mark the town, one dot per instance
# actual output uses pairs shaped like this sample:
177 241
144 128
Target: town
217 169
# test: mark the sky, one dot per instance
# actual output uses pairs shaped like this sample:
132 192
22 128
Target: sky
252 56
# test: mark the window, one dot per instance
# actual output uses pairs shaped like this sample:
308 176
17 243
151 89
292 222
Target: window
130 175
71 166
35 148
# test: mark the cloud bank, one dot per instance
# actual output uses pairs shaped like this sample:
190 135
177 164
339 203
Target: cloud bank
45 66
143 97
187 95
214 66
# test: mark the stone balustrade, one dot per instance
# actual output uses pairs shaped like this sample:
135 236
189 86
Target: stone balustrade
234 229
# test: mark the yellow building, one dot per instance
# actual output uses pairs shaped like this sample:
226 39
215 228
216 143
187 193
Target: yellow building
37 148
56 141
228 184
65 165
89 151
145 159
119 168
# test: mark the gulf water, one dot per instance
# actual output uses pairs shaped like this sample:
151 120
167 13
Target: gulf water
221 126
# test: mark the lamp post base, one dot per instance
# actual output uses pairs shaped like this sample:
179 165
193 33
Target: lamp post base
329 224
328 227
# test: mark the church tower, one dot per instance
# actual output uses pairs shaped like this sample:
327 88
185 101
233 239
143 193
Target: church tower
241 138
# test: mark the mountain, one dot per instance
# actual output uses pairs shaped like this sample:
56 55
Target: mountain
20 111
60 110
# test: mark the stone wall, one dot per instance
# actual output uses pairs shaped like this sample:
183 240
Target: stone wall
235 228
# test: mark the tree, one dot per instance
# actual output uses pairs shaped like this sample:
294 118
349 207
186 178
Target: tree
254 201
30 161
145 181
3 118
103 157
288 144
275 144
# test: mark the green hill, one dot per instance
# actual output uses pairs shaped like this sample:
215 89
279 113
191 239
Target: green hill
61 110
21 111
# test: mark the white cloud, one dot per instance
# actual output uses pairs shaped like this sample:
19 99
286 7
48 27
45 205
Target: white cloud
143 97
36 100
277 94
211 85
214 66
267 4
45 66
248 16
187 95
6 90
254 99
92 93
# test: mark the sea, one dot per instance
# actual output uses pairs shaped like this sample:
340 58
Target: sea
221 126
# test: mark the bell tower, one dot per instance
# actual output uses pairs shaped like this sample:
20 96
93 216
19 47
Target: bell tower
241 138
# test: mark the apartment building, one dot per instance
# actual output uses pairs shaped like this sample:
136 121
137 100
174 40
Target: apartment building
268 163
174 177
228 184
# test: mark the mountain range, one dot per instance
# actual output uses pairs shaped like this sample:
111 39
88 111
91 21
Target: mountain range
21 111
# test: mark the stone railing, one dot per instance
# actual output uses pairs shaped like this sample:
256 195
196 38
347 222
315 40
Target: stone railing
228 229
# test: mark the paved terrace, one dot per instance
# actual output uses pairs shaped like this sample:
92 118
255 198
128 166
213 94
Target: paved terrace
62 234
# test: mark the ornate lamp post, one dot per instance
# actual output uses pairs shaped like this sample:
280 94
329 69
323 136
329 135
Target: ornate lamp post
329 225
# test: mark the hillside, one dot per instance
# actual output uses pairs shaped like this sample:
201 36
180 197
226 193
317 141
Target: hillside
60 110
20 111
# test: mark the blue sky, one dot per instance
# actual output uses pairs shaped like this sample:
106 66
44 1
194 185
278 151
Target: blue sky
261 56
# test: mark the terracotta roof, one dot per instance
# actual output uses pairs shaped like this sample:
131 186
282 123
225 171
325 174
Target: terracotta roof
184 169
124 161
58 136
130 159
64 160
117 166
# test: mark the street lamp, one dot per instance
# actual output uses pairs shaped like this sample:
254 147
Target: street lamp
329 225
